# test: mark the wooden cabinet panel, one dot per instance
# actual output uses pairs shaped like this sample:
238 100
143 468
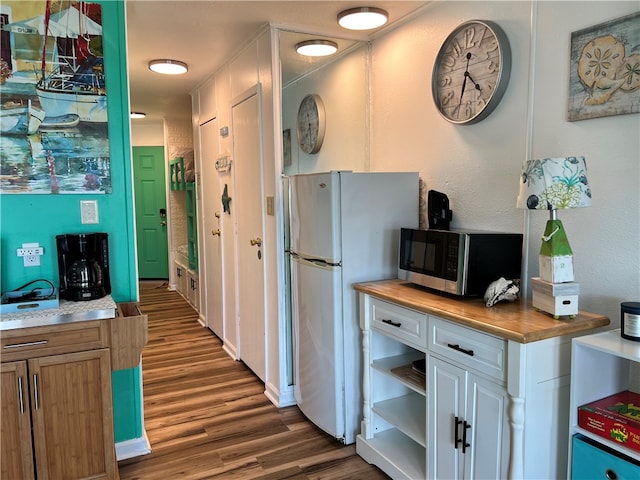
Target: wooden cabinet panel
24 343
72 416
16 454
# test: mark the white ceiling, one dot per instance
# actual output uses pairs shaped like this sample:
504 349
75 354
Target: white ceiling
207 33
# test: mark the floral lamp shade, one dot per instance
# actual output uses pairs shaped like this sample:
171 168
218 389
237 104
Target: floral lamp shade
554 183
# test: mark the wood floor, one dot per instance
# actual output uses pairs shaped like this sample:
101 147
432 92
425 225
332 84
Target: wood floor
207 417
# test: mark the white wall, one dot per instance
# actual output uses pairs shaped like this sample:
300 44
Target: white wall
145 133
478 165
342 85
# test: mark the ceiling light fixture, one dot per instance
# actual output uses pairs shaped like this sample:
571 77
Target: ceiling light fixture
168 67
362 18
137 115
317 48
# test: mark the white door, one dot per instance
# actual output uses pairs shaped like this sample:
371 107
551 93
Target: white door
489 436
211 262
318 356
247 161
446 391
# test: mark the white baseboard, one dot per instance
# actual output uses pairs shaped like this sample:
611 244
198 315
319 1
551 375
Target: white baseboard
279 398
133 448
230 349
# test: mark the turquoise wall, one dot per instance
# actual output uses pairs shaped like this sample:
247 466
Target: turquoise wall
39 218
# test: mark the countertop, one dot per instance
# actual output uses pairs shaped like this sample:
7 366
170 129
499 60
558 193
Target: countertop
517 321
66 312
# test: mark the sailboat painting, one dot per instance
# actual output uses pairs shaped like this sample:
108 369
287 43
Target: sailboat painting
53 98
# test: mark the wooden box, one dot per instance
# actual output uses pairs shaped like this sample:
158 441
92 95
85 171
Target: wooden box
558 299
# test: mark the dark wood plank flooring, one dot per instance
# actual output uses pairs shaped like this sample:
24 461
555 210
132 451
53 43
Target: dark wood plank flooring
207 417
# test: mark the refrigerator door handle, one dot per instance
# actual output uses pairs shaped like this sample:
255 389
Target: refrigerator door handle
314 262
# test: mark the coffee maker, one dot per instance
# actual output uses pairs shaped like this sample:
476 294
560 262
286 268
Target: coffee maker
83 264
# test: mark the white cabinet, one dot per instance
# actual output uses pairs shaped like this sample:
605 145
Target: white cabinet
468 424
464 435
192 289
494 402
394 426
602 364
468 420
181 278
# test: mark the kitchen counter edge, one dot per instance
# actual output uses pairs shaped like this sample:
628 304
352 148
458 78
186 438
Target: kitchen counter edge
517 321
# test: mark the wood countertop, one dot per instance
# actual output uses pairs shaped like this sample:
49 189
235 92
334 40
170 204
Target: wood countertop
517 321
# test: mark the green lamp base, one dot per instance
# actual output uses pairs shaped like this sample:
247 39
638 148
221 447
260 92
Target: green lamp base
556 257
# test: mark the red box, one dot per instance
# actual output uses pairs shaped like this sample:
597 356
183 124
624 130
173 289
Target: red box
616 418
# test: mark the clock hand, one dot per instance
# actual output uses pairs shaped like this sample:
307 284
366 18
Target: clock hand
477 86
464 83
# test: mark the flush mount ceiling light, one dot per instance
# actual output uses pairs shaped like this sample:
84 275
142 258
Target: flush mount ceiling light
317 48
137 115
362 18
168 67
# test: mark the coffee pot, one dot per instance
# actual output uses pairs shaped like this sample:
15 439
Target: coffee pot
83 262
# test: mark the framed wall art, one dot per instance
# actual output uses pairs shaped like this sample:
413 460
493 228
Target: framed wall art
605 69
286 147
53 99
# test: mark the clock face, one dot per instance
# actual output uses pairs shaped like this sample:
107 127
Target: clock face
471 72
311 124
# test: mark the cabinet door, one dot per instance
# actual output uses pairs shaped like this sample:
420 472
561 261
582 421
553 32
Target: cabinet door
446 393
17 457
72 416
487 456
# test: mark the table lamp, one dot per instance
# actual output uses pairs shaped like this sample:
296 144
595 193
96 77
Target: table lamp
552 184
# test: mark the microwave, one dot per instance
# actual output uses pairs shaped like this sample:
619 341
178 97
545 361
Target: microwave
458 262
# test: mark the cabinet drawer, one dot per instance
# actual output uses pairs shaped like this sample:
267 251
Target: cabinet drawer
404 324
24 343
589 461
476 350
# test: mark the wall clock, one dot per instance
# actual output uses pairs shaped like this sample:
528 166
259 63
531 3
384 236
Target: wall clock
311 123
471 72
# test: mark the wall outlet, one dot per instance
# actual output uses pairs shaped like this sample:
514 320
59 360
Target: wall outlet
30 253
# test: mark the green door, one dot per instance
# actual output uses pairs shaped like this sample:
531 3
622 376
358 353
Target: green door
151 208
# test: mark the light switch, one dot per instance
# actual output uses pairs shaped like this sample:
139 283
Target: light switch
88 211
270 206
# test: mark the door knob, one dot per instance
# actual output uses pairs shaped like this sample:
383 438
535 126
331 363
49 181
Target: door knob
257 241
163 223
217 214
215 232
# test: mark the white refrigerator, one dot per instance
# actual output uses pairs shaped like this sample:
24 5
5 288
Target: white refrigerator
344 229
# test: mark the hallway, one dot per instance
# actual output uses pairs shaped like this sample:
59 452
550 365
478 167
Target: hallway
207 417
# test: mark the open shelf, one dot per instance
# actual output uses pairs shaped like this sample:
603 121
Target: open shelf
401 456
407 413
400 368
602 364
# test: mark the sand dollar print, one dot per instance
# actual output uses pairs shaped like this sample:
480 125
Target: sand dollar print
600 58
630 72
598 65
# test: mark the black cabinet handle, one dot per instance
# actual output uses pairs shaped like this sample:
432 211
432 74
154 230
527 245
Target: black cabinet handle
460 349
456 424
391 322
465 445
